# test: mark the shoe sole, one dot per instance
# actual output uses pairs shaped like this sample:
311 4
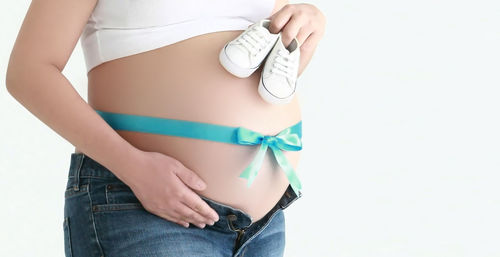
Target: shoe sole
234 69
272 99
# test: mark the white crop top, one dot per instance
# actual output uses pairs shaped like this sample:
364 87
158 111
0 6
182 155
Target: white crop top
118 28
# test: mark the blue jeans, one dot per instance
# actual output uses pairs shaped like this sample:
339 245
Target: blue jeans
103 218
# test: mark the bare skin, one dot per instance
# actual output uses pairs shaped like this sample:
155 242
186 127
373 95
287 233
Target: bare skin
186 81
179 81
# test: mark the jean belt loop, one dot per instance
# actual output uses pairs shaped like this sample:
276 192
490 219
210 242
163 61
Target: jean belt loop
76 185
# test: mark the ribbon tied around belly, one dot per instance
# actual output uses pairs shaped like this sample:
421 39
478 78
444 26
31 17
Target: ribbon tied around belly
285 140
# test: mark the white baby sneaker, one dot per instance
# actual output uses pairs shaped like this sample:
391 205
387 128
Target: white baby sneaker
279 77
244 54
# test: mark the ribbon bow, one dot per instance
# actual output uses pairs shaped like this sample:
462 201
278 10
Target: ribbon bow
285 140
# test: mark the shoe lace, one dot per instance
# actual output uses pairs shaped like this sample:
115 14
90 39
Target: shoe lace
254 39
284 65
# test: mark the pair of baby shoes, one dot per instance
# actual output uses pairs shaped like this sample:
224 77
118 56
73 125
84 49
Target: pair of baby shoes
256 45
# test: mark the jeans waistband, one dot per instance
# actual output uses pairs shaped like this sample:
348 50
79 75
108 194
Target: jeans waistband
92 167
84 166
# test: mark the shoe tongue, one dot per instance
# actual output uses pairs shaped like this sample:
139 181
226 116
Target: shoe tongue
263 30
291 50
261 23
293 45
282 46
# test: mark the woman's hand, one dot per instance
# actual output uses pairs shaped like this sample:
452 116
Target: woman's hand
164 186
303 21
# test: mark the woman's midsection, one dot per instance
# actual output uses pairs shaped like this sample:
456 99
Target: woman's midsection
186 81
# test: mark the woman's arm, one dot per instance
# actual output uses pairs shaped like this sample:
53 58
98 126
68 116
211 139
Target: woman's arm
47 37
303 21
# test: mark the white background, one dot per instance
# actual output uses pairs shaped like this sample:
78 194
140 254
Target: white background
401 137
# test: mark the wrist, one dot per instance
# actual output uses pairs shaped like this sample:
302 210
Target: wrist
124 163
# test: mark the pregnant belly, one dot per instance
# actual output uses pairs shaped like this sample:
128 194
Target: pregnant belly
185 81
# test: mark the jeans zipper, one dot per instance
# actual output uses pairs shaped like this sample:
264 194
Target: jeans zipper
241 231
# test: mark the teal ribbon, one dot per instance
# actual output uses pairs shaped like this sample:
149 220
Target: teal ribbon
285 140
288 139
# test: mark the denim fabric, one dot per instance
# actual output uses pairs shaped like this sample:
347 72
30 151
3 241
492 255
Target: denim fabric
103 218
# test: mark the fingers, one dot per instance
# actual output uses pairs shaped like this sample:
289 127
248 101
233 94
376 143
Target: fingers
183 215
190 198
311 42
201 211
189 177
280 18
169 194
194 201
189 215
291 29
177 219
301 21
303 34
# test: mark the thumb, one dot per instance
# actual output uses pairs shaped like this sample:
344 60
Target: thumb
190 178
